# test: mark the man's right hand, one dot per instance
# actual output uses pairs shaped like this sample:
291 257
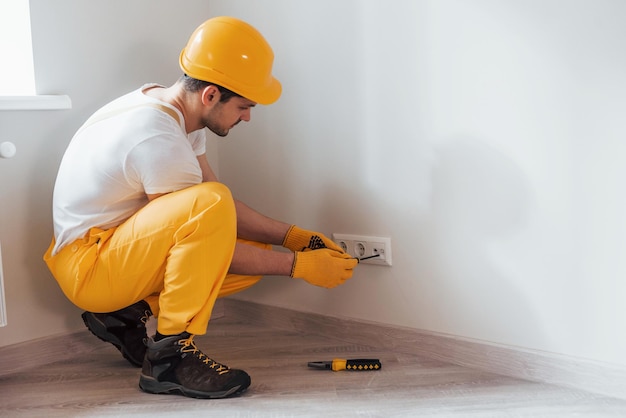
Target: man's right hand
324 267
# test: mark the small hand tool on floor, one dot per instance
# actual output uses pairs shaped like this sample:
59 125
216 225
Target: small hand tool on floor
338 364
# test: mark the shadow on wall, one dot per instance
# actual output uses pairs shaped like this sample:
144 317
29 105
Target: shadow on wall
478 190
480 200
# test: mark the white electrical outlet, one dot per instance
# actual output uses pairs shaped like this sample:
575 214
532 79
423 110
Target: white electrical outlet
359 246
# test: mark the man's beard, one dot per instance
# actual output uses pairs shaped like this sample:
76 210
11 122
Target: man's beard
215 129
221 133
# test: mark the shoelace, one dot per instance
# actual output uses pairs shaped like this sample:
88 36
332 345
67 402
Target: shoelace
189 346
145 317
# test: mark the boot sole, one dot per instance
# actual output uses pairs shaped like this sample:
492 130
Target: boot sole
97 328
151 385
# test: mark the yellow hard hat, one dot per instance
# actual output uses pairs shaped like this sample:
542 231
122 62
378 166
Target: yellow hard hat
230 52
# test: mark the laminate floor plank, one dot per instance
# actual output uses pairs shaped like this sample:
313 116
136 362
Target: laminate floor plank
100 383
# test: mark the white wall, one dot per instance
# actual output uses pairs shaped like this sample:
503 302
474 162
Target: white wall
483 137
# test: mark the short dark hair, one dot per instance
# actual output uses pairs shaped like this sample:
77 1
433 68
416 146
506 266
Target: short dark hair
193 85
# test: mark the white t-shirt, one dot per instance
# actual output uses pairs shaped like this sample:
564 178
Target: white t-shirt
111 164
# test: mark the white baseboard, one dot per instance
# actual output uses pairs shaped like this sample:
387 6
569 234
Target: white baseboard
582 374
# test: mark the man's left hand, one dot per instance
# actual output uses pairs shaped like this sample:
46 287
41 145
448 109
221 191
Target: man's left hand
298 239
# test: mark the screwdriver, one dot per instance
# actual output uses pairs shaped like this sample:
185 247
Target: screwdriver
367 258
349 364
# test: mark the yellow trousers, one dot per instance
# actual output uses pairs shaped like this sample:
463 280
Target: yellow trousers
174 253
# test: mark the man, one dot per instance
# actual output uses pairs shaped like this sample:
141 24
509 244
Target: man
143 227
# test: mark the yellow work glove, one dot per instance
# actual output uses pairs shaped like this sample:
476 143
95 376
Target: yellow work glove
324 267
298 239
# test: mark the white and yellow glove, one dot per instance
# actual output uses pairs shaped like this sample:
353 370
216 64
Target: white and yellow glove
324 267
298 239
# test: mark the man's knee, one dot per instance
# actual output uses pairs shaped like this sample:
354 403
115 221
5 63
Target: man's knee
213 192
208 197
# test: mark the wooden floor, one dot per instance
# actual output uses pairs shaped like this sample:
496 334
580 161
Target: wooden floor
101 383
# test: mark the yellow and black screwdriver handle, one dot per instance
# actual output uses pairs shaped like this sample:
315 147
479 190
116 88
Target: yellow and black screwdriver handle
338 364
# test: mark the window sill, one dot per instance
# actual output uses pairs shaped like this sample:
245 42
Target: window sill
39 102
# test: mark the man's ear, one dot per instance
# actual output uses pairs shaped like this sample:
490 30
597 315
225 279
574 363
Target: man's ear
210 95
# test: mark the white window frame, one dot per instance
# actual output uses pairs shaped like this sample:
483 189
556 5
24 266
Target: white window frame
28 101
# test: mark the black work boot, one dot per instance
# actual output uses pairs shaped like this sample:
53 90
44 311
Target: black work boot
175 365
125 329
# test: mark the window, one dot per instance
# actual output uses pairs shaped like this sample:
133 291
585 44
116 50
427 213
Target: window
17 74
